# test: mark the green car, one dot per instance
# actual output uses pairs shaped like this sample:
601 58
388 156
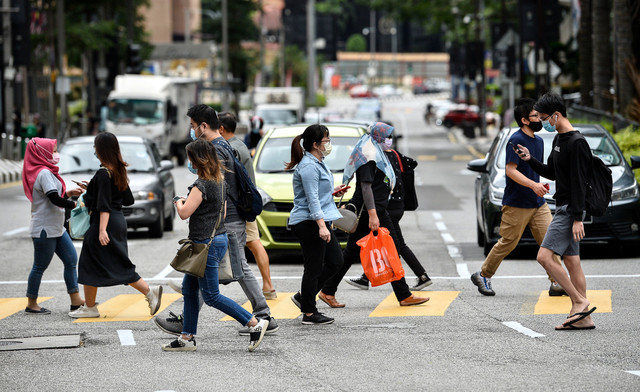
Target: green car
276 185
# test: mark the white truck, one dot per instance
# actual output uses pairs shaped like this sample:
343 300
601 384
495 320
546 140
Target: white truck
154 107
279 105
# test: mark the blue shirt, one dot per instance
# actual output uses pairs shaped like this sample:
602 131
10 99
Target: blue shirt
312 192
516 195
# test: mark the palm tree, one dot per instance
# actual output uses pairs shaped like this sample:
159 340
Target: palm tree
585 64
602 64
623 52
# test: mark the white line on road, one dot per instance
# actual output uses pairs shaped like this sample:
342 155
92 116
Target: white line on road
634 372
16 231
441 226
463 271
163 274
448 238
453 251
437 216
126 337
523 330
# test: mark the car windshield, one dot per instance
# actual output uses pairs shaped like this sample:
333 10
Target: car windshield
601 146
277 116
135 111
276 151
79 158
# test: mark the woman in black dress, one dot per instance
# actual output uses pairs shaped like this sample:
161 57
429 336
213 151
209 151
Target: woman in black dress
104 259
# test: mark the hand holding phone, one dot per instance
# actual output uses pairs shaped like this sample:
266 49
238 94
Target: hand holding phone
176 198
82 185
515 148
341 190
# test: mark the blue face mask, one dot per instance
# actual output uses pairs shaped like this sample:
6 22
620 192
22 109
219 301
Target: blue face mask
191 168
192 133
548 127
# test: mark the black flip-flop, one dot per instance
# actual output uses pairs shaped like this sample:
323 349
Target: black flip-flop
581 314
41 311
571 327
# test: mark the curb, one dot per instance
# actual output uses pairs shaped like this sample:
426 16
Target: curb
10 171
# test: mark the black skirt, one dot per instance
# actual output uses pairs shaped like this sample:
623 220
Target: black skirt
102 266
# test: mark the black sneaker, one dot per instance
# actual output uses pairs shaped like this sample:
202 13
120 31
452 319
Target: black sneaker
316 319
296 300
484 284
271 329
171 325
180 345
422 282
362 282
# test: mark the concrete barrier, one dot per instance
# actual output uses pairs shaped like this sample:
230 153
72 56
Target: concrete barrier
10 171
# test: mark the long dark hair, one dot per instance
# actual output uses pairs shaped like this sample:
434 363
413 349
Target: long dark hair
204 159
313 134
108 151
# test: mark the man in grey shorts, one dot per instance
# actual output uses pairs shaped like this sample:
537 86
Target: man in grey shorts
568 165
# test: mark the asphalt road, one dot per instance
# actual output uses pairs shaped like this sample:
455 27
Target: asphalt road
458 341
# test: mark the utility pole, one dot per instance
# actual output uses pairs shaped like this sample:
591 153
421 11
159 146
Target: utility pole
262 34
311 51
61 79
482 100
8 72
373 69
225 56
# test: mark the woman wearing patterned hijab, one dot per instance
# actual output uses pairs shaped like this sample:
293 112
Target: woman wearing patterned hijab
375 179
48 195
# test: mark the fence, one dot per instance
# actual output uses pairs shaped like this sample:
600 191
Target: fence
11 147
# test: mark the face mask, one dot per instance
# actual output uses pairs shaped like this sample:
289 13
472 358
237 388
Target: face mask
548 127
387 143
192 133
535 126
55 158
327 149
191 168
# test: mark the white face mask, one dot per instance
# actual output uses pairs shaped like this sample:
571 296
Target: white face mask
327 149
388 143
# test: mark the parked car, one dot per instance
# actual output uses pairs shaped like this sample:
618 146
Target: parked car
276 186
461 116
361 91
150 179
619 225
387 91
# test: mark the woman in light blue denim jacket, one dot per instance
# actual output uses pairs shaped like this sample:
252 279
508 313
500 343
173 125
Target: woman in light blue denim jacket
313 211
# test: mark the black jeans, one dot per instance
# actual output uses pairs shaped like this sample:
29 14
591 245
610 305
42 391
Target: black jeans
403 249
321 260
351 254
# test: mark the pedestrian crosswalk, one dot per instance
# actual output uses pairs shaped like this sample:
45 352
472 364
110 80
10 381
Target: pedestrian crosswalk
133 307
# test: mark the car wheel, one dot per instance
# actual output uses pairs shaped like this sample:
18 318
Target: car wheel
447 123
480 235
168 221
157 228
487 247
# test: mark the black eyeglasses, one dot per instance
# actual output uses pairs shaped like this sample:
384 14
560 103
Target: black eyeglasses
534 116
546 118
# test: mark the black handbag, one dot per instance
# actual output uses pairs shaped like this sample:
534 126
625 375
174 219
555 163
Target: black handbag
191 257
407 166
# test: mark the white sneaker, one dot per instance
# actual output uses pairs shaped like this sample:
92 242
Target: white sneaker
176 286
85 311
154 297
256 333
180 345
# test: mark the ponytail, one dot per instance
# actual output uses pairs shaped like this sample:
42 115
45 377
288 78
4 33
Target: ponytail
296 153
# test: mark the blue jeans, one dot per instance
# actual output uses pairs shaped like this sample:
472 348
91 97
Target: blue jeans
43 250
208 286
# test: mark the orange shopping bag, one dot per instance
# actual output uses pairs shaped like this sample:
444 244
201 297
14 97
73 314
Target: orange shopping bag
379 258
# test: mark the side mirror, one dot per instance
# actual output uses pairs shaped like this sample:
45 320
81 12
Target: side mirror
635 162
478 165
165 165
172 113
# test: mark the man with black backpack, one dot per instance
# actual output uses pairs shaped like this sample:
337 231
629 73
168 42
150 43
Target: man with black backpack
569 164
205 125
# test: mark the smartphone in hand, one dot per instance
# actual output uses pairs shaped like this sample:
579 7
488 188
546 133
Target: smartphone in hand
516 149
343 189
82 185
176 198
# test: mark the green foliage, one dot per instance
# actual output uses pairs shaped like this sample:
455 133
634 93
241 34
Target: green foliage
295 64
629 141
356 43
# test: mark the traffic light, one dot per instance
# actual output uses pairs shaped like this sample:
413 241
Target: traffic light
134 59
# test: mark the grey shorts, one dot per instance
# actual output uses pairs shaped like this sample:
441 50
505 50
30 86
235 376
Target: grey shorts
559 237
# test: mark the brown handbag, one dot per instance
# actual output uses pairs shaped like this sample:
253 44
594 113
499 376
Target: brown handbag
191 257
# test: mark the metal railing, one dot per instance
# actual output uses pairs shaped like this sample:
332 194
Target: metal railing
11 147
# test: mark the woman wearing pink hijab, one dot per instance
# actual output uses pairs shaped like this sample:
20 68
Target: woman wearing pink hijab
46 190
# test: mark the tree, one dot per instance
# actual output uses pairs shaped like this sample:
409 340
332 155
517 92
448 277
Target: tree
585 64
356 43
623 53
602 64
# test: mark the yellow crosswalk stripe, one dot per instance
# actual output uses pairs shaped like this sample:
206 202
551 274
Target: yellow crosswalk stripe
562 305
128 307
9 306
281 308
436 306
427 157
462 157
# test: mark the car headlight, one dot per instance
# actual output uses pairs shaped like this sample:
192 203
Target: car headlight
144 195
496 194
625 193
265 197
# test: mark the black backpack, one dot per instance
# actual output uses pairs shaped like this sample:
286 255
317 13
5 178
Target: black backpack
599 185
249 202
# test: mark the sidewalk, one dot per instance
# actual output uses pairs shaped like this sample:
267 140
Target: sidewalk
10 171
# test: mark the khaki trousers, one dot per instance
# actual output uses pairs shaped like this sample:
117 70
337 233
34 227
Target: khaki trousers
514 221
